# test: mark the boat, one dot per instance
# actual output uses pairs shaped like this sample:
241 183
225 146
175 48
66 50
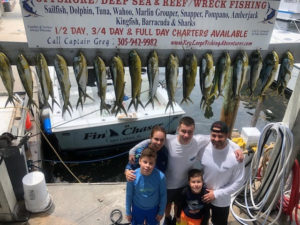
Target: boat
86 129
289 10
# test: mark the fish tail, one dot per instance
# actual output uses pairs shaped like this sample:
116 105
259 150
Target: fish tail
103 106
170 103
11 99
132 102
54 101
150 101
79 101
85 95
138 101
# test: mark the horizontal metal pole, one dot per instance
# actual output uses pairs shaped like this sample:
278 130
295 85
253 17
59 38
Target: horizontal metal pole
12 49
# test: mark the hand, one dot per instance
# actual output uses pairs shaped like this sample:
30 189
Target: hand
208 197
131 159
239 155
129 218
159 217
129 174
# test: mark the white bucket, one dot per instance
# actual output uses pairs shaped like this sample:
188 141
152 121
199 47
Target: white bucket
36 196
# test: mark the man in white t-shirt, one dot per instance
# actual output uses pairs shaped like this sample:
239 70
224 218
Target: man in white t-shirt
222 173
184 150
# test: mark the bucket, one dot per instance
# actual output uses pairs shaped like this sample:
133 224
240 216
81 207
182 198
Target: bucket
36 196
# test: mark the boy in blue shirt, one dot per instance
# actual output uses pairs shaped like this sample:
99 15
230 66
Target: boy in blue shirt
146 196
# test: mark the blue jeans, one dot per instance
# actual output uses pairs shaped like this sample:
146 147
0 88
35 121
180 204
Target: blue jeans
139 215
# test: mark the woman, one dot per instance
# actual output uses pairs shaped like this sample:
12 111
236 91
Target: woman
157 141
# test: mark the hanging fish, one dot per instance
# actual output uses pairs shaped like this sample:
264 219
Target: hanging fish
153 75
240 69
26 78
285 71
7 78
81 74
268 72
118 73
62 73
207 73
135 70
256 63
172 71
100 70
45 80
222 71
189 76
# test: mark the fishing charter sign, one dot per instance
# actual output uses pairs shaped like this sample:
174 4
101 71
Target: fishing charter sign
160 24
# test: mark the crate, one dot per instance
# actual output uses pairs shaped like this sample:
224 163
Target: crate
250 135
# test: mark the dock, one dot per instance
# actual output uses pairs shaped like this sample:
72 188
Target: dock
88 204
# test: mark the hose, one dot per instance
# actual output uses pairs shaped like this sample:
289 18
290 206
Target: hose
259 203
118 219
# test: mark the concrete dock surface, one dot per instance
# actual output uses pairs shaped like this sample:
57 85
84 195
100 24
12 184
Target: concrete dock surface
86 204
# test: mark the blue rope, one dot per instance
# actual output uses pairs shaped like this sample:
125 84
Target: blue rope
87 161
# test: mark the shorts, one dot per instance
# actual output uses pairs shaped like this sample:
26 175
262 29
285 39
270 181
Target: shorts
185 220
139 215
173 195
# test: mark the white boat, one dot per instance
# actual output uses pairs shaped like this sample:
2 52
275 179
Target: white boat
289 10
86 129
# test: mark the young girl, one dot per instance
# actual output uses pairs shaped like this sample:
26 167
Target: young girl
191 209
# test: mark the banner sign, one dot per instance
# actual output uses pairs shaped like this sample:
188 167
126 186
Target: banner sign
140 24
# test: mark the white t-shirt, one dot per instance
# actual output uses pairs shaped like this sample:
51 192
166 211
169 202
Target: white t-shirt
181 158
222 172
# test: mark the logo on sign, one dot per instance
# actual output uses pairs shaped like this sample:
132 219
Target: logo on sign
28 7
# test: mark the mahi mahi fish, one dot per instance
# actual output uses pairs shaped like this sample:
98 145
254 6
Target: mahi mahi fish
240 69
100 70
256 63
62 73
269 70
285 71
7 78
206 74
45 80
172 71
26 78
222 71
153 75
135 70
81 74
189 76
118 73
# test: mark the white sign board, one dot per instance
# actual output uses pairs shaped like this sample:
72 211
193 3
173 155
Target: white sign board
148 24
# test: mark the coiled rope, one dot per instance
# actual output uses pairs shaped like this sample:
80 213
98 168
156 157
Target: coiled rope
259 203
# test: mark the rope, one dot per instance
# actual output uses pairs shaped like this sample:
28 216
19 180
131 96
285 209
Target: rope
86 161
259 205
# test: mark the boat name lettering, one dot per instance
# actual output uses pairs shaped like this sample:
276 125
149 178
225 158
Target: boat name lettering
135 130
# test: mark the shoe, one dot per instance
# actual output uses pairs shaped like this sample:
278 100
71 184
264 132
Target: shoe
168 221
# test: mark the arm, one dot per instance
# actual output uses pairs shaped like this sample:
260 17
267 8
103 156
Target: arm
129 198
235 183
133 149
163 196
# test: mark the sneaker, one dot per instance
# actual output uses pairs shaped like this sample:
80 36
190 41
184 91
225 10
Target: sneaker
168 221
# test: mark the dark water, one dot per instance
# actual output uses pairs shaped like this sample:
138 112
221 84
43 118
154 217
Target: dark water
111 170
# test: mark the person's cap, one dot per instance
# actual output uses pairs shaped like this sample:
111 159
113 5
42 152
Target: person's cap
219 127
